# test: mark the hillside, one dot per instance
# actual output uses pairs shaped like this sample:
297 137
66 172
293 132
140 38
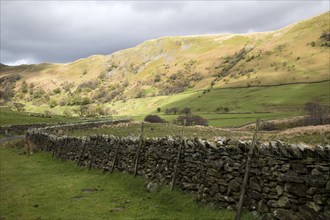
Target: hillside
175 67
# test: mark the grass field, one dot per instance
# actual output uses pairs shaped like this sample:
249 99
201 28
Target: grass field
286 98
245 105
312 135
228 119
9 117
160 130
39 187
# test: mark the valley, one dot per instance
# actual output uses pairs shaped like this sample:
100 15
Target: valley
176 127
269 75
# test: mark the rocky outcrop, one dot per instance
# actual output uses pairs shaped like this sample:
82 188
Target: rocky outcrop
286 181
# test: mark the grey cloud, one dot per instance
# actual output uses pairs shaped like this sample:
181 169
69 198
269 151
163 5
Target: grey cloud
66 31
158 6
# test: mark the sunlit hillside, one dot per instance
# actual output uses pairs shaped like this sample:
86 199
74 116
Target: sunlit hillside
169 66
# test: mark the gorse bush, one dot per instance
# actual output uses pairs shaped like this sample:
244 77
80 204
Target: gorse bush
325 35
24 87
57 91
268 126
52 103
154 119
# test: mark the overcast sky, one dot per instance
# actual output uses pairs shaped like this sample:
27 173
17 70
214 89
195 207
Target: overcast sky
63 31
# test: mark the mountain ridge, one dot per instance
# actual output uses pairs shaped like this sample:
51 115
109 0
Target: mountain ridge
174 64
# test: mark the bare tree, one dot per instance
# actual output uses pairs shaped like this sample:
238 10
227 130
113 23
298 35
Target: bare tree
317 112
175 110
81 111
186 111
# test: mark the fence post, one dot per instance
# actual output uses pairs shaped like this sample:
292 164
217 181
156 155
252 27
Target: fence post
54 151
29 144
138 150
81 154
183 143
93 154
247 170
115 158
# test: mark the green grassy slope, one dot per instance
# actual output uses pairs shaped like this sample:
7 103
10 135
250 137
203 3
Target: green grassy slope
39 187
174 71
10 117
281 56
245 104
258 99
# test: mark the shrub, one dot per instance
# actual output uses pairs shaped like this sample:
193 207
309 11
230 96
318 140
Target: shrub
47 114
140 94
157 78
154 119
173 76
99 94
196 77
268 126
325 35
100 110
38 93
62 102
102 75
67 113
174 86
222 109
316 112
24 87
68 86
84 101
57 91
18 106
125 84
91 85
7 93
52 103
226 109
190 120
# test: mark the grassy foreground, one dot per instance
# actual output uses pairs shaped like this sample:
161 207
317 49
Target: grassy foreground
39 187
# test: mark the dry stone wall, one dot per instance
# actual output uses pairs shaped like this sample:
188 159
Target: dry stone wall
287 181
19 129
22 128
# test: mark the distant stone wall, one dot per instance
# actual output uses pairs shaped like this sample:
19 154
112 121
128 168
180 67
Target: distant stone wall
286 181
22 128
19 129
